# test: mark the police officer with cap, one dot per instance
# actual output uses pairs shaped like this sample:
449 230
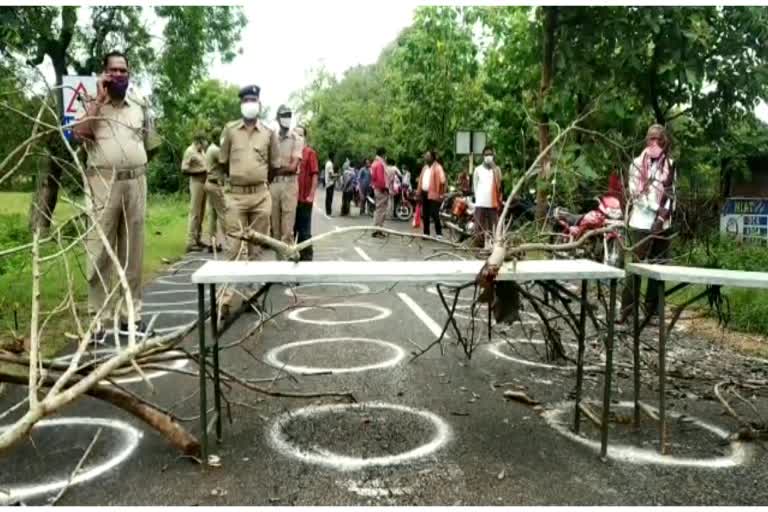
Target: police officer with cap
247 149
284 185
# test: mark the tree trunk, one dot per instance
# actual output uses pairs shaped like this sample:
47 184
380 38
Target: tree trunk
47 193
166 426
547 72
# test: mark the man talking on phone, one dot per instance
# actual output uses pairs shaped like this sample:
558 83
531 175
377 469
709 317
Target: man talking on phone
117 132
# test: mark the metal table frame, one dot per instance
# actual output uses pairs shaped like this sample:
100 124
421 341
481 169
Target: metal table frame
376 271
684 276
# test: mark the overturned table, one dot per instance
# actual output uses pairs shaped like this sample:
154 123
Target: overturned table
684 276
459 272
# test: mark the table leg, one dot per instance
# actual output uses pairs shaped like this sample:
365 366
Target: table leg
580 357
608 369
201 362
216 379
662 369
636 282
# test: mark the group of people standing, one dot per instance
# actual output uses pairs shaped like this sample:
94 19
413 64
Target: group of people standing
272 177
356 184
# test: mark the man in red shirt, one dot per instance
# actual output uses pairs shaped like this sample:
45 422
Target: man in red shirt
380 192
308 173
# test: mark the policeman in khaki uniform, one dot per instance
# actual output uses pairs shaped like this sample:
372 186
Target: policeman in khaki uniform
284 186
194 166
118 133
246 151
214 192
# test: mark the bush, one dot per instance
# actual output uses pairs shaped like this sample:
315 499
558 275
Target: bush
748 307
13 232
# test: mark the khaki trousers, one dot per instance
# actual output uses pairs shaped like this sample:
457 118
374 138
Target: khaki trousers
248 211
217 213
245 211
382 204
196 208
120 209
285 195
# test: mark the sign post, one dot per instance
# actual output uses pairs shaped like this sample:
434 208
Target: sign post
74 91
469 142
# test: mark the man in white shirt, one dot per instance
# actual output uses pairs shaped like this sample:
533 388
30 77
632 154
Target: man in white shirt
330 183
652 188
486 184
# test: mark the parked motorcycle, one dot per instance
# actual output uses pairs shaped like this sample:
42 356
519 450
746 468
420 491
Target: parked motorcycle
405 206
457 212
608 248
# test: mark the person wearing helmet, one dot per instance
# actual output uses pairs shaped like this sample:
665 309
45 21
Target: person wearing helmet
284 186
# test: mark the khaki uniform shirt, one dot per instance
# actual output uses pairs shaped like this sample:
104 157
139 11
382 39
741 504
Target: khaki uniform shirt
122 136
248 151
215 170
289 146
193 161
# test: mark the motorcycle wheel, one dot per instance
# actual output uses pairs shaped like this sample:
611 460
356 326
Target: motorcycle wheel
404 211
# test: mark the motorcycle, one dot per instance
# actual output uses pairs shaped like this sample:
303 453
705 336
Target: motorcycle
404 209
608 214
458 214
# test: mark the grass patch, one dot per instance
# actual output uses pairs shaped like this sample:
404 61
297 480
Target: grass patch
165 237
748 307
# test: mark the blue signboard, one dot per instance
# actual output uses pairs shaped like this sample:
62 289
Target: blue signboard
746 219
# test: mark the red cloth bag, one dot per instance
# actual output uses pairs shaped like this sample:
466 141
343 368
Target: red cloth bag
417 216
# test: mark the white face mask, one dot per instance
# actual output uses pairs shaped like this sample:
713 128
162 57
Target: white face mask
250 109
285 122
488 159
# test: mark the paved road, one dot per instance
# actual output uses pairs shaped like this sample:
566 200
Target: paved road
435 431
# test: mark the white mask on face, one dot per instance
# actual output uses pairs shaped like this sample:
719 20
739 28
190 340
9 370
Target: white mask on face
250 109
488 159
285 122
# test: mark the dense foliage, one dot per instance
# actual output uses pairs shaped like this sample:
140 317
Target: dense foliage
700 71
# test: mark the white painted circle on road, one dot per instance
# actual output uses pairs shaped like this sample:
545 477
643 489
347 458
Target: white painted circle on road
635 455
273 356
448 294
170 279
175 364
322 457
172 328
130 437
294 291
297 313
495 349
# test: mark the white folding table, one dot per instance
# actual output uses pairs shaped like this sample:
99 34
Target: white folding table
463 271
684 276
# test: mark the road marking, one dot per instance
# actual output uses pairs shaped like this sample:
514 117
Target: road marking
175 364
634 455
363 254
423 316
129 441
320 456
296 314
293 291
273 356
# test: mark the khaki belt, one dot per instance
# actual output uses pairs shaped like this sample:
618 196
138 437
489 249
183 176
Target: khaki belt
119 174
247 189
